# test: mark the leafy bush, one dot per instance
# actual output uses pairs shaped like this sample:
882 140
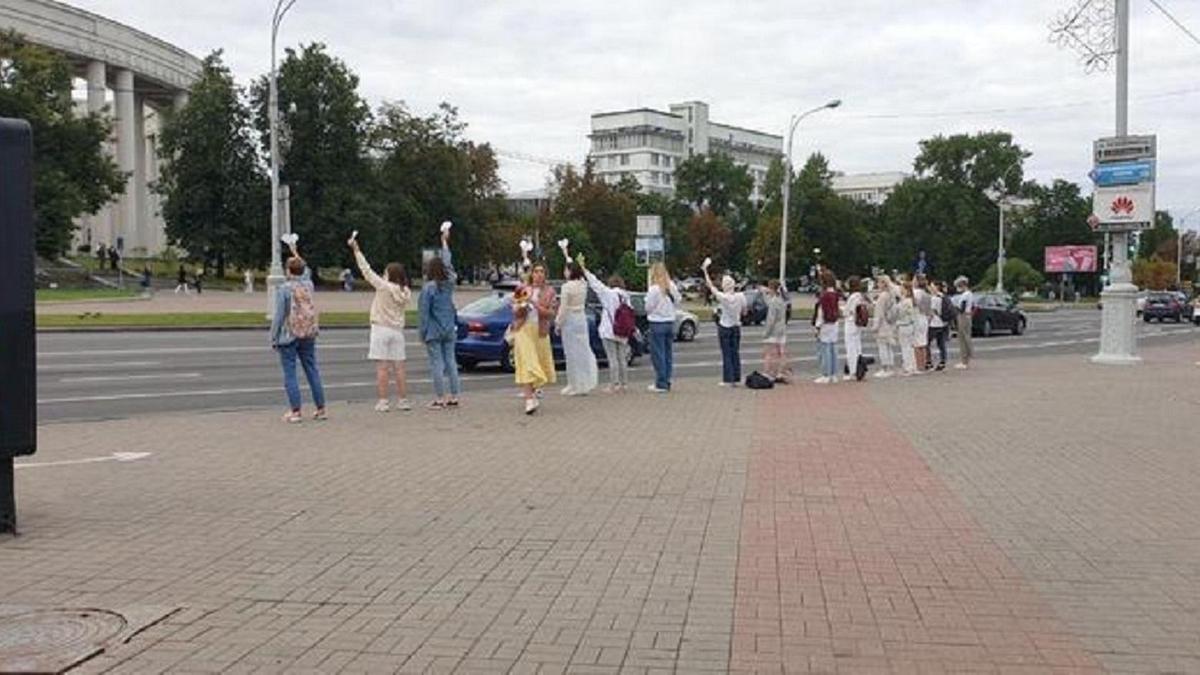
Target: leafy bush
1018 276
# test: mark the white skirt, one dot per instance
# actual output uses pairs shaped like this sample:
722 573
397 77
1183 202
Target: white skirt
582 372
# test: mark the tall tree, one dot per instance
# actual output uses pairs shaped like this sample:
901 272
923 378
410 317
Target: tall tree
1159 242
708 236
324 124
979 161
1058 216
608 213
216 195
714 181
73 175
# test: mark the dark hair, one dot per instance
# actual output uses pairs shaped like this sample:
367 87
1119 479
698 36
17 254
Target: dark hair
396 274
574 271
828 280
854 283
295 266
435 270
616 281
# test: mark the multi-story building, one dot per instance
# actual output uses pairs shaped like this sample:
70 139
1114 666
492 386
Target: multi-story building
648 145
871 188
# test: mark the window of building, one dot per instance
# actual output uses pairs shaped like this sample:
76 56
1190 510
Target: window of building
666 179
654 158
690 136
624 160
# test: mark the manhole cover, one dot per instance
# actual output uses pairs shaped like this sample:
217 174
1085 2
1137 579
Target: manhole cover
32 640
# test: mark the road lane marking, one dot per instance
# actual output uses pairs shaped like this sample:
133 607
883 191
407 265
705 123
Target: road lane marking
111 365
128 378
115 457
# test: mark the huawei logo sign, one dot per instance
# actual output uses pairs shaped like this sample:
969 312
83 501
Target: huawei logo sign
1122 205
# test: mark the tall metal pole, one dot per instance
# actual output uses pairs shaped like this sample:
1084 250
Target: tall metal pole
1118 340
275 275
787 189
1000 254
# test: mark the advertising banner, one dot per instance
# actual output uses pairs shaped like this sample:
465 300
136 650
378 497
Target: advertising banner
1070 259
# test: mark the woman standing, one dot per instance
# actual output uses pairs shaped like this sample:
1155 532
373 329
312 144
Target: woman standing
937 325
616 347
775 334
886 312
906 329
661 299
572 324
964 304
439 327
533 312
857 318
825 319
294 329
924 304
729 326
388 349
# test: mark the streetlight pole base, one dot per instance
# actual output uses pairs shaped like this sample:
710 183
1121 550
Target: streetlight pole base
1118 340
275 279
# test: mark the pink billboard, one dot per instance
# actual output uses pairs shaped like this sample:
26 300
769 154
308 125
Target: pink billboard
1071 259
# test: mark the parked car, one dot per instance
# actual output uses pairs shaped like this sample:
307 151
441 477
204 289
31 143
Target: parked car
482 324
997 312
1163 305
686 323
756 308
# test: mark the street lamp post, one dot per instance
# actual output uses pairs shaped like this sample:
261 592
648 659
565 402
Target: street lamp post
275 275
787 186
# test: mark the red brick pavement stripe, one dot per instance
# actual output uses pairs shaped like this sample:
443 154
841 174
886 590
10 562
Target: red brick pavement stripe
855 557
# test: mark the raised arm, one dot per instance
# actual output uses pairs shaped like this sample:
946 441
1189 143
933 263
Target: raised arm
448 258
365 267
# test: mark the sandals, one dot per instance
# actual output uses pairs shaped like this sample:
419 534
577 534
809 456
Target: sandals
436 405
293 417
320 415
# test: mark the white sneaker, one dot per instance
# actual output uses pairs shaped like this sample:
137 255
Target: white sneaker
403 404
883 374
383 405
822 380
531 406
539 393
567 391
960 366
847 378
655 390
722 384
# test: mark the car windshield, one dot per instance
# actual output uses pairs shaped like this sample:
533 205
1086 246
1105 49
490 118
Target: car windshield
485 305
1160 297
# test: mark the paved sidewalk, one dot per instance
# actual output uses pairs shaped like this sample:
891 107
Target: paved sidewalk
1039 517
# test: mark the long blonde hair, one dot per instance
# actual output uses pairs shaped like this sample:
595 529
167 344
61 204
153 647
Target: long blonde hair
660 277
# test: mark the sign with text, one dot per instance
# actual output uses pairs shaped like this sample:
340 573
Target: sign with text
649 226
1119 149
649 250
1129 173
1070 259
1128 207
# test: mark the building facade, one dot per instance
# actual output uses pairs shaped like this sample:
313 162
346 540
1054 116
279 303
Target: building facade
648 145
870 188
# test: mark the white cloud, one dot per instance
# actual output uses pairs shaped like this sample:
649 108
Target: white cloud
526 74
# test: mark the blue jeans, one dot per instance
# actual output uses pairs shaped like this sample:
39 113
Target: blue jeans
443 365
662 344
731 356
306 351
827 355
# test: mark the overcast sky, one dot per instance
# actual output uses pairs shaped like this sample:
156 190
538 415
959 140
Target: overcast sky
527 74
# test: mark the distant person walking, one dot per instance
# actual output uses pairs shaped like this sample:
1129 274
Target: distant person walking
571 321
826 317
294 331
775 334
147 281
181 279
102 256
729 326
387 344
886 313
533 314
439 326
248 280
617 325
661 300
198 281
964 305
347 280
858 317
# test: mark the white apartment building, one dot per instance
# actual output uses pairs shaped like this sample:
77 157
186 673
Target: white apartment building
649 144
871 188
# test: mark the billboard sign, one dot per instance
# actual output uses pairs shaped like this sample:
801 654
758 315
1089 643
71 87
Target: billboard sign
1129 173
649 250
1128 207
1120 149
1070 259
649 226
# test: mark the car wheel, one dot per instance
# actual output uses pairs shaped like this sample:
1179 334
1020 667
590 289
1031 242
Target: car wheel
1019 327
687 332
506 360
468 364
987 328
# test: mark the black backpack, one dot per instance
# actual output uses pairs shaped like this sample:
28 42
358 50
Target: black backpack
757 380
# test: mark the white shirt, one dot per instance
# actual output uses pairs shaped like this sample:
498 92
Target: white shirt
935 302
965 302
733 306
856 299
610 300
660 307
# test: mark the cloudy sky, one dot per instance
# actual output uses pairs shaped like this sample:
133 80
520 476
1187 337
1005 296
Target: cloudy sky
527 74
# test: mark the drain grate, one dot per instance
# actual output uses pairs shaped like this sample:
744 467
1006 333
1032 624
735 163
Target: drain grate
45 640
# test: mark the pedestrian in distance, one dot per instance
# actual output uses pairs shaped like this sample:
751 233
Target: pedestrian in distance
534 305
147 282
729 325
922 300
181 279
906 327
964 306
387 344
294 330
775 335
198 281
439 325
858 317
939 324
826 317
102 256
583 374
347 280
248 280
662 297
618 323
886 312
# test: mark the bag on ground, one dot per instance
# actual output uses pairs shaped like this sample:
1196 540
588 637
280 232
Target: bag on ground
757 380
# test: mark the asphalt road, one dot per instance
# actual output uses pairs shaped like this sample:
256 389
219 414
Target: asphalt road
111 375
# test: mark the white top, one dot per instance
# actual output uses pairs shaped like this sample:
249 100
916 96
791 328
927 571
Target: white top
852 304
660 307
610 300
733 306
965 302
572 299
935 304
390 301
828 332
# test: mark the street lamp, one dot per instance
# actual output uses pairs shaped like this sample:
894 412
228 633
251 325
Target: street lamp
787 185
275 275
1003 201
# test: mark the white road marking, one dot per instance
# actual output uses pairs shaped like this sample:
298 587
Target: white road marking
115 457
111 365
129 378
265 348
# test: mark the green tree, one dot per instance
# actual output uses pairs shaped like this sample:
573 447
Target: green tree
1058 217
708 237
73 175
954 224
216 197
714 181
324 126
1018 276
981 161
607 213
1159 242
634 276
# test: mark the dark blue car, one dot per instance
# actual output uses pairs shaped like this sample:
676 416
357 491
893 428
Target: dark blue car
481 327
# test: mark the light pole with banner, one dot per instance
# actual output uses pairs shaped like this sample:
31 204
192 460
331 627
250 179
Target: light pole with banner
787 185
275 273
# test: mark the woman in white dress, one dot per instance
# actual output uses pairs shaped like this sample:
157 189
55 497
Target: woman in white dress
582 372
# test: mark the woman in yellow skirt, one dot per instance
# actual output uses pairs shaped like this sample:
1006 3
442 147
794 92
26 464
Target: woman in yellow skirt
533 314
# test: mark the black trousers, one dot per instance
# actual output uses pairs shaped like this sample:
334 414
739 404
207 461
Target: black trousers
938 336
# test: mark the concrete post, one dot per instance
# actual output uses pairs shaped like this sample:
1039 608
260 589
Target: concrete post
140 236
126 126
98 228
